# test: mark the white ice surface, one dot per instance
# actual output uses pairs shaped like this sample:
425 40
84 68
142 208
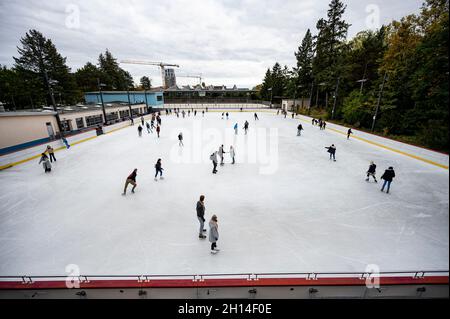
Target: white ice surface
310 215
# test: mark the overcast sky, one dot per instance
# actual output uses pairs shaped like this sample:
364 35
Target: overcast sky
228 41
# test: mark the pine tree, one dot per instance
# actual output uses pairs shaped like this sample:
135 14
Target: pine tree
303 71
146 83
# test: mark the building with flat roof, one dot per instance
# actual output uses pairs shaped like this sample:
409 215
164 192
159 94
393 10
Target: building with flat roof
151 98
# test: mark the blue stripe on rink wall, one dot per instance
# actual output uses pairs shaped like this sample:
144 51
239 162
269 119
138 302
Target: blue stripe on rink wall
19 147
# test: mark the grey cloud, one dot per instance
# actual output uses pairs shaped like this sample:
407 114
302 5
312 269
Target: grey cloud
229 41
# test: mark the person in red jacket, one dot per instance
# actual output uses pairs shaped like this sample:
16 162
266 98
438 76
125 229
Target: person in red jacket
131 179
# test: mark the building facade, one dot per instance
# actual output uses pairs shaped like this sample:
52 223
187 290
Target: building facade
170 78
154 99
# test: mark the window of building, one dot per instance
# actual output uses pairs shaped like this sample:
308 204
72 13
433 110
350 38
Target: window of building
112 116
159 98
65 125
94 120
80 122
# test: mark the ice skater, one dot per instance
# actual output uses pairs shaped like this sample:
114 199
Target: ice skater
332 151
140 130
131 179
180 139
142 121
203 113
256 117
213 158
131 120
324 125
236 129
45 163
246 127
388 176
158 120
51 153
232 154
223 115
221 152
149 129
227 115
159 170
293 114
299 129
201 216
371 172
158 130
349 132
65 142
214 234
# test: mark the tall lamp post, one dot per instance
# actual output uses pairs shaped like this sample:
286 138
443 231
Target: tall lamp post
271 96
50 88
362 81
380 94
100 85
129 101
335 97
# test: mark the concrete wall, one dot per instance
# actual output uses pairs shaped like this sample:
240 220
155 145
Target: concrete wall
19 129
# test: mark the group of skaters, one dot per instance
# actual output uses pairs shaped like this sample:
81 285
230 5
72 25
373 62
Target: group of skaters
214 157
213 225
46 160
388 176
131 179
150 127
319 122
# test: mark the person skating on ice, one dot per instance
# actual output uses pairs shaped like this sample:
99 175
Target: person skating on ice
180 139
232 154
236 129
203 113
149 129
140 130
131 120
256 117
65 142
51 153
213 158
388 176
131 179
183 113
45 163
158 130
293 114
214 234
371 172
201 216
142 121
223 115
246 127
299 129
159 170
158 120
221 152
227 115
324 125
349 132
332 151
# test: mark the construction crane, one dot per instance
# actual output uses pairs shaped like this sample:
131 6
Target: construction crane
199 77
162 65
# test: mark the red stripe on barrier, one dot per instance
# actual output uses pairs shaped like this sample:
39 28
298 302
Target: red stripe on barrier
187 283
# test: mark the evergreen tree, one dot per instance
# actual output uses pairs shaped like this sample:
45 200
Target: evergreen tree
146 83
302 73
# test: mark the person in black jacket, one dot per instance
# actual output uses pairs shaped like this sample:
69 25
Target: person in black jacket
371 172
158 169
201 216
332 151
299 129
388 176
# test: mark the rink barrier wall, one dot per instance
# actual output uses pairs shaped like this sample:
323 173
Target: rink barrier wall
422 154
225 280
33 153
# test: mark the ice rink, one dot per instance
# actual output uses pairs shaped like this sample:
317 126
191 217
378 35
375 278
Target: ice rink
284 207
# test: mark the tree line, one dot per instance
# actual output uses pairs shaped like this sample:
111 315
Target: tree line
40 69
401 67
